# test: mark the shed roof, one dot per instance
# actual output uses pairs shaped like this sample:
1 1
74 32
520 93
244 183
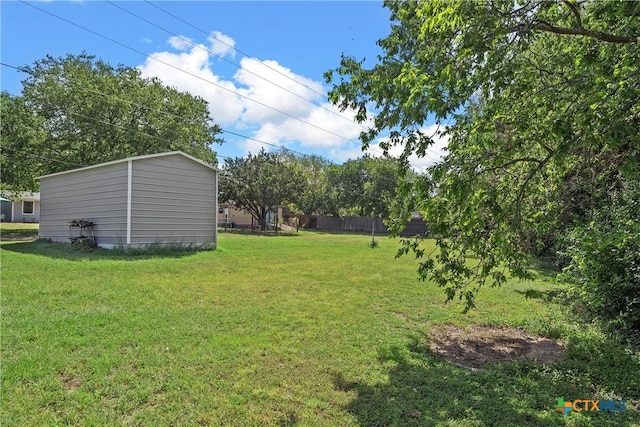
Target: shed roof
134 158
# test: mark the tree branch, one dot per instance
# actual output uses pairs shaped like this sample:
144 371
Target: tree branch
545 26
509 163
521 190
575 11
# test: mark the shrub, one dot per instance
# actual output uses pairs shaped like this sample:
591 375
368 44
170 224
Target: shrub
604 262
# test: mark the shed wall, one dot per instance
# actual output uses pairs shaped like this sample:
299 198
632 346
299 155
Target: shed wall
173 200
97 194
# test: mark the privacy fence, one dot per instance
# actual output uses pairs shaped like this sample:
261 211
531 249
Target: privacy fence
366 224
351 223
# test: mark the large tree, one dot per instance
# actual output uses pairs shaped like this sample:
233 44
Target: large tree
22 137
80 111
314 198
541 104
365 186
260 183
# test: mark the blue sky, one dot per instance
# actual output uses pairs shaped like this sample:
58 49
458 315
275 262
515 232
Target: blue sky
258 64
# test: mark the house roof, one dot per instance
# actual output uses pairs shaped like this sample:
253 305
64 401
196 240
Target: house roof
20 195
147 156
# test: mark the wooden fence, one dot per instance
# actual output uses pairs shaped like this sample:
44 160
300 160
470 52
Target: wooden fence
364 224
416 226
350 223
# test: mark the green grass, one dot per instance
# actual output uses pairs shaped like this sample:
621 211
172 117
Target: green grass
313 329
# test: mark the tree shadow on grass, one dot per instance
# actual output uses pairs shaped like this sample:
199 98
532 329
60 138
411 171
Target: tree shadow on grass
72 253
9 234
424 390
557 295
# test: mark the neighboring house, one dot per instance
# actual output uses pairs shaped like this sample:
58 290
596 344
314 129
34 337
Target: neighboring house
230 216
20 207
233 217
167 198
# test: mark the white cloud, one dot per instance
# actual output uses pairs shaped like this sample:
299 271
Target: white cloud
180 43
347 152
434 153
264 100
321 127
268 83
221 44
267 133
190 71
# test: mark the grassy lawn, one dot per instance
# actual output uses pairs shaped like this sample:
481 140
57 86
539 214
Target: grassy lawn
313 329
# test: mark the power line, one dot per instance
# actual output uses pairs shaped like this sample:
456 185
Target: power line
84 88
186 40
21 69
205 80
114 125
342 189
99 93
189 73
168 113
251 57
35 156
151 136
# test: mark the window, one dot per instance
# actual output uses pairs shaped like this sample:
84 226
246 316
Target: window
27 207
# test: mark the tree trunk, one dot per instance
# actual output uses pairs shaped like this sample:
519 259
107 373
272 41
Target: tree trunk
307 223
263 218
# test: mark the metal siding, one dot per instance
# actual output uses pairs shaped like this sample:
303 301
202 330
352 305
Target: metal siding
215 210
98 194
173 201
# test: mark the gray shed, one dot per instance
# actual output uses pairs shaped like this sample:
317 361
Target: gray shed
167 199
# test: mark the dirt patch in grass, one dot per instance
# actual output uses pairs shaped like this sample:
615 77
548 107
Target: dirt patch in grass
70 383
474 347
